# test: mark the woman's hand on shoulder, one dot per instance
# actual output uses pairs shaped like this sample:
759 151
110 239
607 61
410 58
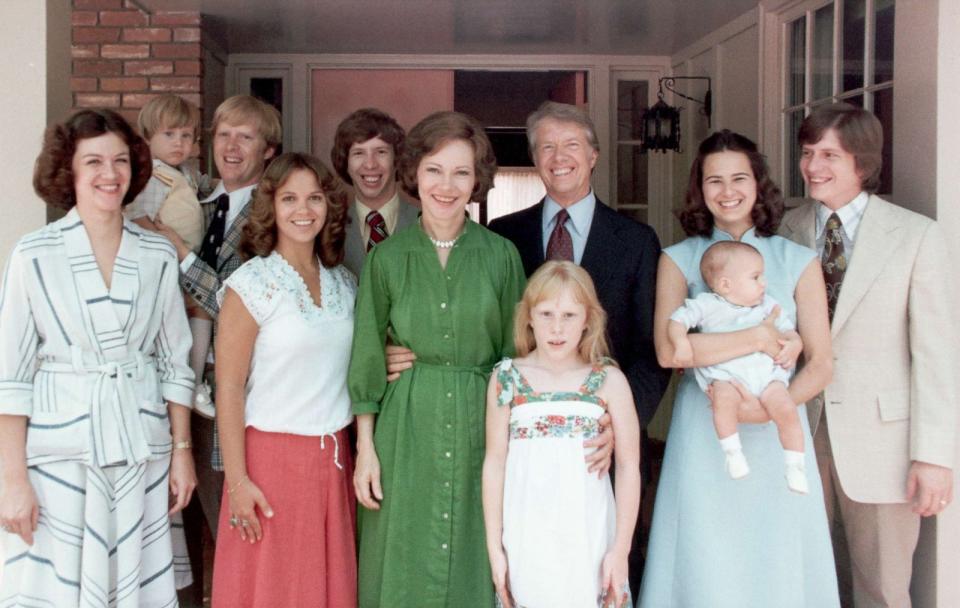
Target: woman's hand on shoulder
366 478
19 510
183 479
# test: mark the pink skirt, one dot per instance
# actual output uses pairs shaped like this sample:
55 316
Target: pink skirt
307 556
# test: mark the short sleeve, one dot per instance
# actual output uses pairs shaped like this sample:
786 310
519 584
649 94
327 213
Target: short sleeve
783 322
257 288
690 314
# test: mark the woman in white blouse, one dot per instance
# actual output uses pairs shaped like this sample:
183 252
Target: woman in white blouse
283 346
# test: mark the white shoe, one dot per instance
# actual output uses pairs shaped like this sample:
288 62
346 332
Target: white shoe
737 466
202 403
797 479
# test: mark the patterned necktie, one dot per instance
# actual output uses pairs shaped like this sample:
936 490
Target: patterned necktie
560 245
213 239
378 229
834 261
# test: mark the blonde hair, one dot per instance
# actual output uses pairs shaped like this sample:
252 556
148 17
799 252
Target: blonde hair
718 256
168 111
245 109
548 282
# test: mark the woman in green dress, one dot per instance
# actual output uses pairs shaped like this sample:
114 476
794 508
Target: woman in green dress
446 289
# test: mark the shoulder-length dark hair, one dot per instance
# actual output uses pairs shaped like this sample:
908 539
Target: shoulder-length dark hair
260 231
428 135
695 217
53 173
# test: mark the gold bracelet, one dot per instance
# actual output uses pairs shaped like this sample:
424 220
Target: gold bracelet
237 485
182 445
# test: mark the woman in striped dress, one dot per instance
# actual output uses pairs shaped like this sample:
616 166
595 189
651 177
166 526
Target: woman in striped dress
93 379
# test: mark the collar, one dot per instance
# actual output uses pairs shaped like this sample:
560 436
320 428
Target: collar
748 237
850 215
237 197
581 213
389 211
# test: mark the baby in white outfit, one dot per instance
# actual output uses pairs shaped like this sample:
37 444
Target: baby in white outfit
734 272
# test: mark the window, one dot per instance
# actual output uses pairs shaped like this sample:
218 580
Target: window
838 51
631 169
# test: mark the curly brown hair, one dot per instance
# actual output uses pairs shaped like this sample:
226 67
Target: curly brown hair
695 217
428 135
260 231
53 172
361 126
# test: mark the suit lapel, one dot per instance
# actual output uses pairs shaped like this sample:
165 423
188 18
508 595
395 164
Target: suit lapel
875 242
231 240
600 253
531 249
800 226
407 215
354 249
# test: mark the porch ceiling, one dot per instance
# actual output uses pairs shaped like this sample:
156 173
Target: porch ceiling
441 26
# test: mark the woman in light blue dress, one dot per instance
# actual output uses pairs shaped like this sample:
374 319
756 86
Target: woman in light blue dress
750 543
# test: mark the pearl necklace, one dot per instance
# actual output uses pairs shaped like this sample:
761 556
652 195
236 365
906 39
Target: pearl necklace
441 244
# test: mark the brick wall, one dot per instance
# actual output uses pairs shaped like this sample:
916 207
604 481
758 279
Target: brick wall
123 56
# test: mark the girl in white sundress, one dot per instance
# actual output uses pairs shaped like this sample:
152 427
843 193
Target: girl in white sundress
555 535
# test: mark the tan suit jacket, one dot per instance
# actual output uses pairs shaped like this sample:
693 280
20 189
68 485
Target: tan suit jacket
893 398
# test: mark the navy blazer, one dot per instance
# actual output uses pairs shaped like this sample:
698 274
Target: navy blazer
621 257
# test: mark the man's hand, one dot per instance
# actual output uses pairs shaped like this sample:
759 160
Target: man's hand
173 237
398 359
929 488
599 460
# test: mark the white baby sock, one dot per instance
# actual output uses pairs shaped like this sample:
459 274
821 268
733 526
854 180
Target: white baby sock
736 462
796 472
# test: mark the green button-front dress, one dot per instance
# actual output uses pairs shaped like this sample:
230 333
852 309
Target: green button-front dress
426 547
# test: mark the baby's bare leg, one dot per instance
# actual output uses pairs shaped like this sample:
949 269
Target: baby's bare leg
726 401
726 404
776 400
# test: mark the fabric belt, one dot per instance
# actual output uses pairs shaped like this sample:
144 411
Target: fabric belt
117 434
480 370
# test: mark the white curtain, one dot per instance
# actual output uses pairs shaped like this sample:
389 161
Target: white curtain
513 190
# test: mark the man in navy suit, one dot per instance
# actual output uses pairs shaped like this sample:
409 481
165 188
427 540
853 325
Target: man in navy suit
618 253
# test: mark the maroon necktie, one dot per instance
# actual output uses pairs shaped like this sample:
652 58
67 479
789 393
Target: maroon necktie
560 245
378 229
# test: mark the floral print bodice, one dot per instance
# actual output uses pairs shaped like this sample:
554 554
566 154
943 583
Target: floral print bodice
550 414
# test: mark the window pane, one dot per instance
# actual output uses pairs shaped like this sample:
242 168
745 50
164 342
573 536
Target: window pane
883 108
823 52
631 175
793 183
797 32
883 41
854 24
856 100
631 102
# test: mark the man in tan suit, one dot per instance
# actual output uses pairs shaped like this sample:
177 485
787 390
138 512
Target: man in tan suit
885 427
